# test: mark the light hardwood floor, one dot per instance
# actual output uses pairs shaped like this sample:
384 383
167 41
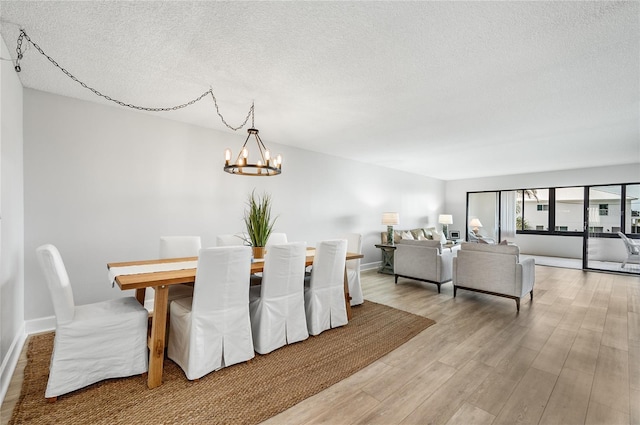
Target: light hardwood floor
570 357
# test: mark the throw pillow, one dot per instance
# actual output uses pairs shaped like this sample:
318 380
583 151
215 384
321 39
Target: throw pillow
480 240
504 242
422 238
407 235
437 236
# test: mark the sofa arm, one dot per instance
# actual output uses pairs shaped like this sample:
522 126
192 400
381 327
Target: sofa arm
446 265
526 270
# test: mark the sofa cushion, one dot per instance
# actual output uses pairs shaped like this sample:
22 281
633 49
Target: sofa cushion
428 242
492 248
416 233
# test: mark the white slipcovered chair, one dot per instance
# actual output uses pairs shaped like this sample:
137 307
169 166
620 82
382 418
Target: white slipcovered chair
179 247
277 305
212 330
277 239
324 289
229 240
93 342
633 250
354 244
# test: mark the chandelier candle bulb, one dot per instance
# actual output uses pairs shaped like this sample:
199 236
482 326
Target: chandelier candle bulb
227 156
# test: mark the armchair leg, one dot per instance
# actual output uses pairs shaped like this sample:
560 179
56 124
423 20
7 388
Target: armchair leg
455 289
518 304
532 295
438 288
396 278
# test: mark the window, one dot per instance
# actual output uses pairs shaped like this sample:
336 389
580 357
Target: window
632 209
535 214
569 209
603 209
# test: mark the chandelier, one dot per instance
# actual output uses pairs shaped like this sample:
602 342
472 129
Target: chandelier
264 166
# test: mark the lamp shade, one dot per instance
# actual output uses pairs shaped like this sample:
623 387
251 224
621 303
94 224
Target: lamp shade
475 223
445 219
390 218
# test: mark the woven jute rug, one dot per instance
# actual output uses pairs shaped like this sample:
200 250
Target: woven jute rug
246 393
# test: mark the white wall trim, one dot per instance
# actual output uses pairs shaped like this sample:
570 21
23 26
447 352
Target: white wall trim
370 266
10 361
42 324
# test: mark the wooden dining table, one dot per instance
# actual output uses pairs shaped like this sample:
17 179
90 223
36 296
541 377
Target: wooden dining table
160 281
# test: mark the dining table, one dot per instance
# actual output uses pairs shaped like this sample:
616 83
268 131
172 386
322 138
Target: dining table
160 274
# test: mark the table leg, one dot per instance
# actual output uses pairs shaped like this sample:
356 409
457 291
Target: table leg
140 293
347 297
157 339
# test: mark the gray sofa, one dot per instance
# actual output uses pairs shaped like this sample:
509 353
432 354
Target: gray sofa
493 269
425 260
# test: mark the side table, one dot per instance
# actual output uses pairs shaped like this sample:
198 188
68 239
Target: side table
386 266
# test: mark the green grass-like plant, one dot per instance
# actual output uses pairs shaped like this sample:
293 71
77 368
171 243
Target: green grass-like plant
258 220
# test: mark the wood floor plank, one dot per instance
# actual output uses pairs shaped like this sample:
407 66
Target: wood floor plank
611 381
600 414
634 365
595 318
583 355
615 333
554 353
569 400
442 405
527 402
471 415
401 403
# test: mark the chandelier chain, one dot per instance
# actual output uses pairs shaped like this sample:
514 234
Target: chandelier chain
23 35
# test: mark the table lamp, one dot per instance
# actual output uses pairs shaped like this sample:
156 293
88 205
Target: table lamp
445 220
390 219
475 223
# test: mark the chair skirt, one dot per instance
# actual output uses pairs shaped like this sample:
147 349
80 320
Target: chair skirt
276 322
208 342
104 340
325 308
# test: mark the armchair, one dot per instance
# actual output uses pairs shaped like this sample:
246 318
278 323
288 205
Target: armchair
426 261
495 270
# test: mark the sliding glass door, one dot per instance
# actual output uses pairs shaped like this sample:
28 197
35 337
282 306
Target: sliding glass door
612 217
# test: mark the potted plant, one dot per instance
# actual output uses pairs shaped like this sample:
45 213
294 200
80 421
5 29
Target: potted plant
257 219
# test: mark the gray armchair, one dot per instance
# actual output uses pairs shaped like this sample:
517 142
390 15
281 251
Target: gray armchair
495 270
424 260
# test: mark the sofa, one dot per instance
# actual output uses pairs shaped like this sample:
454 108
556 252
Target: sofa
424 260
493 269
429 233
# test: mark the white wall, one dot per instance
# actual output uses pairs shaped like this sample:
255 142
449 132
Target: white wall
103 184
11 221
456 191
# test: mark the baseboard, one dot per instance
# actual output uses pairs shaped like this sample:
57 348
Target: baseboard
370 266
43 324
10 361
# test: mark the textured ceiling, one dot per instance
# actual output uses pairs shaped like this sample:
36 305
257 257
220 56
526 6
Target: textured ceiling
445 89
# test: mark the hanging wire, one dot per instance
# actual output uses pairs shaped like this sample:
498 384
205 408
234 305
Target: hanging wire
20 54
